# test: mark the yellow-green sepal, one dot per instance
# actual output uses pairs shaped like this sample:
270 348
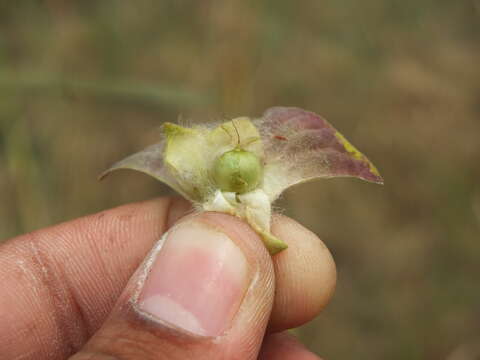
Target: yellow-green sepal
273 244
239 132
185 156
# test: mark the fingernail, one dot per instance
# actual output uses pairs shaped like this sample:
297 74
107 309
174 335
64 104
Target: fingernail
197 281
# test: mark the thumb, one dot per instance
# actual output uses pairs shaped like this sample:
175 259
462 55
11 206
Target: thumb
204 292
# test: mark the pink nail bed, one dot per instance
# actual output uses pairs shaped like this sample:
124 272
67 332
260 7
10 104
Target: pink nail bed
197 280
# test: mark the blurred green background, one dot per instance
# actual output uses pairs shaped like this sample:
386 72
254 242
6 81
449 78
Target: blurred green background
85 83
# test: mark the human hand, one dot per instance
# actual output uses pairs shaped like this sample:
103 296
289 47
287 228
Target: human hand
211 292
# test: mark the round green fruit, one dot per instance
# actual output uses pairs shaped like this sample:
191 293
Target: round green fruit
237 171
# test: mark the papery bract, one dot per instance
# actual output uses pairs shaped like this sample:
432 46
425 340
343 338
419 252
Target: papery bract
292 145
301 146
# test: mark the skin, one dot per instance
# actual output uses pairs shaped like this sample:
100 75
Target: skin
64 289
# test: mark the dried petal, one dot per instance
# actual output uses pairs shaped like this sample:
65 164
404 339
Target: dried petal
150 162
301 146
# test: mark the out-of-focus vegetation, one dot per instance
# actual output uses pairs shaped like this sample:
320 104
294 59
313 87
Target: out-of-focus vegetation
84 83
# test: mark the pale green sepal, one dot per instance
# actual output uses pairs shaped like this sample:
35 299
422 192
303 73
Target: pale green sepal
273 244
185 155
257 211
239 132
254 207
221 202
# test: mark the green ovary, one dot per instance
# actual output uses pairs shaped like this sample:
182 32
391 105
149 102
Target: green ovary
237 171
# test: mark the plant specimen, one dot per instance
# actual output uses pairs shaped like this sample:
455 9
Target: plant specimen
242 166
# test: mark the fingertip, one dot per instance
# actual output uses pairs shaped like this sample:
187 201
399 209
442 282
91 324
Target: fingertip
205 291
256 308
305 275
